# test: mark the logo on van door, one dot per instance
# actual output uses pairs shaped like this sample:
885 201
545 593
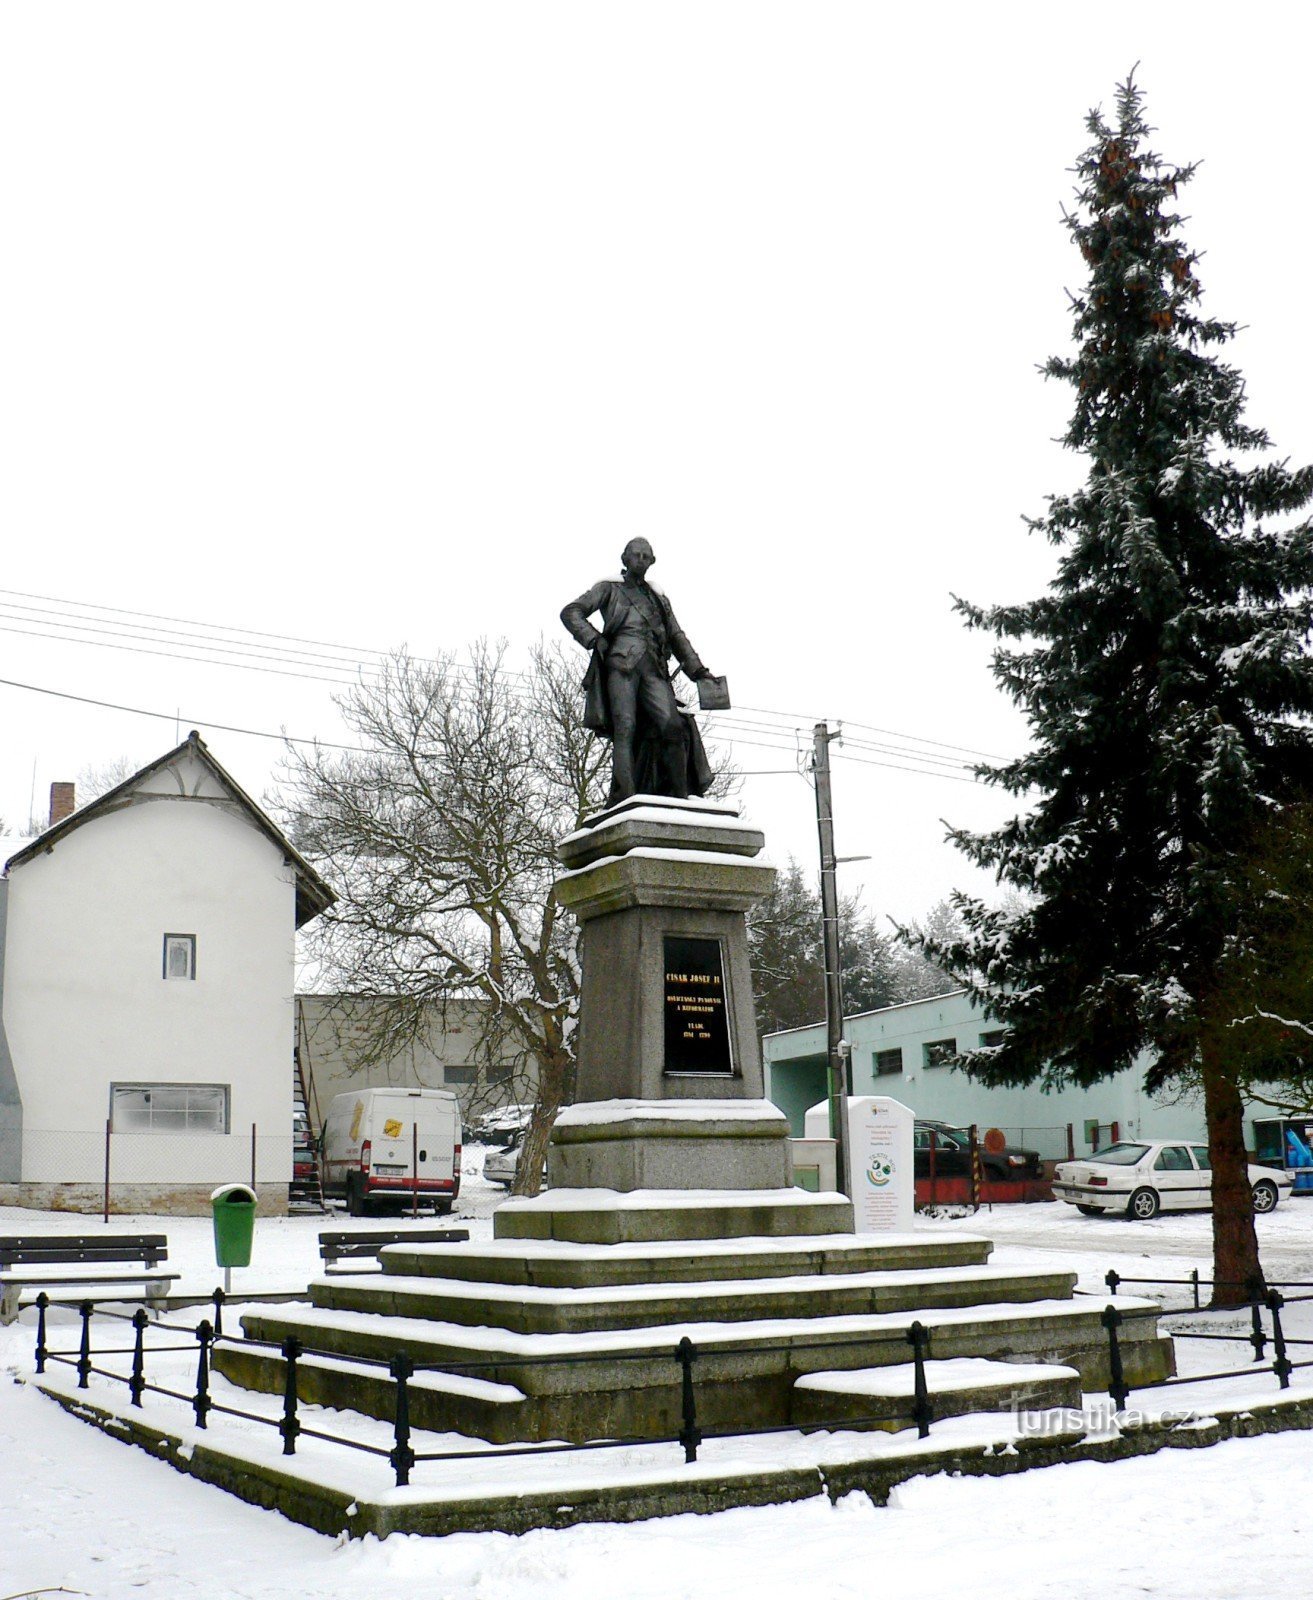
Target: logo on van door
392 1128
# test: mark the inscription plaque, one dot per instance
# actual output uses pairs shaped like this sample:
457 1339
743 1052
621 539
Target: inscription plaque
697 1025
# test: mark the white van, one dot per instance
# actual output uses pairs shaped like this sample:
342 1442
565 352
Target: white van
391 1144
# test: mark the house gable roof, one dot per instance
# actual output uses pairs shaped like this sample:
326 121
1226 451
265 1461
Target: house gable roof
313 894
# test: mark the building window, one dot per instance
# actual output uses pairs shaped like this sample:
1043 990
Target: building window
939 1052
179 955
169 1107
887 1062
463 1074
992 1039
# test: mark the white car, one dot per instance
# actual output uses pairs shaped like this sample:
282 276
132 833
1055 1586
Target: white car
499 1166
1144 1176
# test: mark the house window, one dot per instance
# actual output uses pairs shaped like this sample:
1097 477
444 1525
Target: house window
887 1062
463 1074
992 1039
179 955
169 1107
939 1052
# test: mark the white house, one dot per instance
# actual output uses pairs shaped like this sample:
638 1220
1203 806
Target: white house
146 996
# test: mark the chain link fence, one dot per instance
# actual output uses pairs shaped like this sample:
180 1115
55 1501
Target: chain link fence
81 1169
1052 1143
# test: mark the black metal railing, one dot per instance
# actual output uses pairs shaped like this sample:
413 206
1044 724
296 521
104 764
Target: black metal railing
401 1369
1261 1296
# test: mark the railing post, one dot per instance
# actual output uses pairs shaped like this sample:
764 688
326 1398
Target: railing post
289 1427
923 1413
1281 1365
42 1301
1118 1389
218 1297
1194 1285
402 1456
201 1404
690 1435
1257 1337
1112 1279
84 1349
137 1382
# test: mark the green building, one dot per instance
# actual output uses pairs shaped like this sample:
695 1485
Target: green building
907 1052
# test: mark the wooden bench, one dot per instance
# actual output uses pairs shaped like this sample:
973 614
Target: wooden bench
59 1260
334 1247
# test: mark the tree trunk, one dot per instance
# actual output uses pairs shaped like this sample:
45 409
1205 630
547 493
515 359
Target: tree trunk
554 1082
1235 1240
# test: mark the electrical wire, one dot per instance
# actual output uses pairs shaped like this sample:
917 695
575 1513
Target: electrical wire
174 716
343 666
356 749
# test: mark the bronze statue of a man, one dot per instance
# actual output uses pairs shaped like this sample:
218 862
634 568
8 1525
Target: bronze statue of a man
655 745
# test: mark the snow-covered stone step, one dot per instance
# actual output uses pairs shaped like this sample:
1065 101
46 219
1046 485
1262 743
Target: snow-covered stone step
447 1401
534 1310
555 1264
1011 1330
883 1397
626 1383
634 1216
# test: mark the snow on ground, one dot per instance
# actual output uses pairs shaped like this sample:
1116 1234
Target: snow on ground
93 1517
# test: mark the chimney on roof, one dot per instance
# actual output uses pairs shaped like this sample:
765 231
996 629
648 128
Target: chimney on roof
62 802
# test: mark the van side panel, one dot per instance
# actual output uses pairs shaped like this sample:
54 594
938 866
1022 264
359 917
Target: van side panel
393 1144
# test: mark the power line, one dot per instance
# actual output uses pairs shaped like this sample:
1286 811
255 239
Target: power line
353 656
189 622
209 654
356 749
44 617
172 655
173 716
271 655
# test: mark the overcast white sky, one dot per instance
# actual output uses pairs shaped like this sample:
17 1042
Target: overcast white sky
383 324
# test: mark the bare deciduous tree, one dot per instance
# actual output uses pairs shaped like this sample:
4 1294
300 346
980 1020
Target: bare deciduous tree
439 835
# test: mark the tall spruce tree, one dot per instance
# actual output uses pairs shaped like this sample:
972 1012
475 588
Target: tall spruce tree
1167 682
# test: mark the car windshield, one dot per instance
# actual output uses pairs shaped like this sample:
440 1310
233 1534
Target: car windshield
945 1136
1121 1155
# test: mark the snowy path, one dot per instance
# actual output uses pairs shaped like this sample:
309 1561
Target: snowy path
96 1519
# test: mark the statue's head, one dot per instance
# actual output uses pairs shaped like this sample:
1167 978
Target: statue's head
637 557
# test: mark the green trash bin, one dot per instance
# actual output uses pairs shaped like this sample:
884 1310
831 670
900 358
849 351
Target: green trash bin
234 1207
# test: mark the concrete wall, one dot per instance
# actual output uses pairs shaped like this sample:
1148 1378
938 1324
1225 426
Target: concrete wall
85 1003
332 1030
11 1099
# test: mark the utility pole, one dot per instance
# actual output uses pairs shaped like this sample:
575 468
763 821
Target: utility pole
835 1056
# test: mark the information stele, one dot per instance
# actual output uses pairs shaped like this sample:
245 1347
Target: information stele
880 1152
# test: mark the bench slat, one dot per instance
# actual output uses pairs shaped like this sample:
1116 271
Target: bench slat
35 1281
16 1258
349 1245
22 1248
